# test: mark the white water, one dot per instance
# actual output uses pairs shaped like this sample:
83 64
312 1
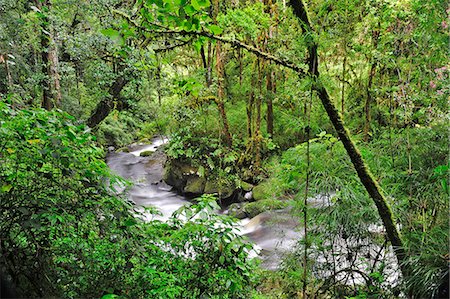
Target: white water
273 233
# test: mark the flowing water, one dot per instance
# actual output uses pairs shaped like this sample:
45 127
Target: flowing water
273 233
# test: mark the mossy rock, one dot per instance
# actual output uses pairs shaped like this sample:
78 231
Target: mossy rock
194 185
236 210
124 149
261 191
255 208
176 174
145 141
246 186
146 153
225 189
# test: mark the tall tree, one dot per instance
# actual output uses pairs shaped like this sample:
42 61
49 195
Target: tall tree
51 86
361 168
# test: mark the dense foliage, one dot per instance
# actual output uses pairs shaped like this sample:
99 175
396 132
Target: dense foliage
243 89
65 234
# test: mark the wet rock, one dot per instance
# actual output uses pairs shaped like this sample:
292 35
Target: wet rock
259 192
236 210
176 173
186 179
194 185
223 189
246 186
146 153
124 149
254 208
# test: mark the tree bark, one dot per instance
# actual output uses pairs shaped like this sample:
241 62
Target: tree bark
4 59
344 65
47 102
106 105
220 95
257 134
361 168
53 64
220 80
369 100
271 90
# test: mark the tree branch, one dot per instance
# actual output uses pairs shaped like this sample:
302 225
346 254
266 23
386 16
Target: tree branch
234 43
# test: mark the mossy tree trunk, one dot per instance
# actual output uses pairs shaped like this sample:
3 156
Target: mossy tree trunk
361 168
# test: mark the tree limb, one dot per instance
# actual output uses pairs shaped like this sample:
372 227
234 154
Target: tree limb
234 43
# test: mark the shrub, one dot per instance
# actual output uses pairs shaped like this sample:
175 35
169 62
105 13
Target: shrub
64 233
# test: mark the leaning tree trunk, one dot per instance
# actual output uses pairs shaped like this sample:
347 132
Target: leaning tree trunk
361 168
106 105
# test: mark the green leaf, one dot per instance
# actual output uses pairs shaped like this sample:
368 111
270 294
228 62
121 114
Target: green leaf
130 222
6 188
200 4
110 296
201 171
189 10
216 30
110 32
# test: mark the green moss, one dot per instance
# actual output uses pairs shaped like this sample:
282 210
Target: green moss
246 186
146 153
263 191
195 185
254 208
123 150
224 188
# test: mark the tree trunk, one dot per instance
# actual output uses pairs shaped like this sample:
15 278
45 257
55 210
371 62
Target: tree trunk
257 135
106 105
47 102
220 80
50 82
361 168
53 64
251 101
344 65
220 95
158 79
369 99
271 90
4 59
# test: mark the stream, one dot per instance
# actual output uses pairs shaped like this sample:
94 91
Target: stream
273 233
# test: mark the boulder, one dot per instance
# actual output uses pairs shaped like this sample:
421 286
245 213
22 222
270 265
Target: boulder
255 208
225 189
124 149
194 185
146 153
176 173
236 210
185 178
246 186
259 192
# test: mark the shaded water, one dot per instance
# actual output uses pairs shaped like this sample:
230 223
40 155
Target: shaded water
273 233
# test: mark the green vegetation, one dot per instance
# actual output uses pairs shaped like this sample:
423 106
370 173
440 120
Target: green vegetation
336 111
65 234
